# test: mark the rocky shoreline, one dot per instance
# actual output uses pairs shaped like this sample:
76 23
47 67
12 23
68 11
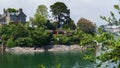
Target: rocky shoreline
22 50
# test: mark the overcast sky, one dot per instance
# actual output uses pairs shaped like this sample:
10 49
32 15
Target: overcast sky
90 9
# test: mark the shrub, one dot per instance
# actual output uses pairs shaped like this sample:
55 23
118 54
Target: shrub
41 37
11 43
25 41
63 39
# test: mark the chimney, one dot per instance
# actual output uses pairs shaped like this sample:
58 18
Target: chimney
4 10
20 10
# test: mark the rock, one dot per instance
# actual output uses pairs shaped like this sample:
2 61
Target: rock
22 50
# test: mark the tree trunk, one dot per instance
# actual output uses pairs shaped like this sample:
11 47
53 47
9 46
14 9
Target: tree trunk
2 48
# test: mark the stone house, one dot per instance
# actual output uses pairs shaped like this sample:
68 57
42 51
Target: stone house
15 17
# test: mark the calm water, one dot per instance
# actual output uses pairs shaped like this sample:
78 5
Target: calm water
72 59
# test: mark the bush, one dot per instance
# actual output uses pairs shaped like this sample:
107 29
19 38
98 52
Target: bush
86 39
11 43
41 37
63 39
25 41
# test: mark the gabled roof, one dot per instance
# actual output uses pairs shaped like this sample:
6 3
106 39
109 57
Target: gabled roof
16 14
21 14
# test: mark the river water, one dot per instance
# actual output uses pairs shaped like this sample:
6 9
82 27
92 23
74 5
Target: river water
71 59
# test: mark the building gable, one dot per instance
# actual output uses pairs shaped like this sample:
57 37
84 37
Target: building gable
18 16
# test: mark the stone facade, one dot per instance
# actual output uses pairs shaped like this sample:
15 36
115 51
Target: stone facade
14 17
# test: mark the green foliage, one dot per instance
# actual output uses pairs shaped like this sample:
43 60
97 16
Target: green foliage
10 10
64 39
112 20
41 37
25 41
108 40
51 26
57 66
86 26
104 37
41 66
4 38
100 30
117 7
89 57
11 43
0 34
59 7
39 20
114 56
112 46
20 31
10 34
40 17
60 39
42 10
56 24
6 32
69 25
86 39
20 35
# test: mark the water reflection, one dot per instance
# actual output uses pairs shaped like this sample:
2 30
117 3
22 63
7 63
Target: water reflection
73 59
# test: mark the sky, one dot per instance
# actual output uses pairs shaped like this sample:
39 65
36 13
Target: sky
89 9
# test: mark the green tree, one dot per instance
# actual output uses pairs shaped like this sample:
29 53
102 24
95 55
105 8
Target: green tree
56 24
62 39
11 43
39 20
40 17
114 45
6 32
11 33
69 25
50 26
24 41
59 7
56 66
42 10
31 22
104 37
41 37
20 31
86 39
10 10
110 46
86 25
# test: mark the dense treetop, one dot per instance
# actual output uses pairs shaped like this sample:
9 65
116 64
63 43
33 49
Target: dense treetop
58 8
11 10
86 26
